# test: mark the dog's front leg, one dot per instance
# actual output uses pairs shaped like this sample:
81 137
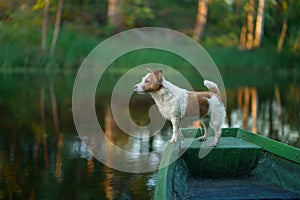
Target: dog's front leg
205 135
175 124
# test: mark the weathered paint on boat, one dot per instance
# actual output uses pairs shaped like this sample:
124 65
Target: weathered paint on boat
273 168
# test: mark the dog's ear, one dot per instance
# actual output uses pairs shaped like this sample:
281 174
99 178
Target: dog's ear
149 70
158 75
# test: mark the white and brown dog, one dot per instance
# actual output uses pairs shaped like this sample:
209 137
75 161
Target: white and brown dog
174 103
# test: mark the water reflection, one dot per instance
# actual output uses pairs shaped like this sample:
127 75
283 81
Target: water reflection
244 95
42 157
267 116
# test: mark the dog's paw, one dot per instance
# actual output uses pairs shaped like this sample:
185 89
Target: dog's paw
214 143
202 138
173 140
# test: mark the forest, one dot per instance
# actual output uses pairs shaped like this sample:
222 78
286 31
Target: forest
58 34
255 45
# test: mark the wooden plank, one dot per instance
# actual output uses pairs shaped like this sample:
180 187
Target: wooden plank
233 157
235 189
197 132
272 146
166 172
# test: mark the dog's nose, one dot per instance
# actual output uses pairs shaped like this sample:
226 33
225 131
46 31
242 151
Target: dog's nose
135 87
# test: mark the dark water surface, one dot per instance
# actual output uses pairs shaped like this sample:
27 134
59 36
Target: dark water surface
42 156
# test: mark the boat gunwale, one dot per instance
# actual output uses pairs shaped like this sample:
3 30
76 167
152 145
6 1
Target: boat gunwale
269 145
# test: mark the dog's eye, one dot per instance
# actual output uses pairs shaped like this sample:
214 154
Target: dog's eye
147 81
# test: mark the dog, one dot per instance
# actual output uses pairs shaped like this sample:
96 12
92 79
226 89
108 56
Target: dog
174 103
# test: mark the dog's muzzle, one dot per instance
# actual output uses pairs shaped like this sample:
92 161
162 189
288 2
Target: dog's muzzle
139 89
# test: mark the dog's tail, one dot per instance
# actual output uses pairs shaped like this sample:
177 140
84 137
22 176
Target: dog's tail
212 87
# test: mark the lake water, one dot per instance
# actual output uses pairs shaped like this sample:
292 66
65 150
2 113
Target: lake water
42 156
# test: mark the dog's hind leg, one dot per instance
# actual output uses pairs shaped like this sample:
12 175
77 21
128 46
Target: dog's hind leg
216 140
216 125
206 129
217 119
175 124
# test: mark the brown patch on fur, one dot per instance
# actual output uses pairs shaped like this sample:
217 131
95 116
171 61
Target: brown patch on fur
198 103
153 81
158 76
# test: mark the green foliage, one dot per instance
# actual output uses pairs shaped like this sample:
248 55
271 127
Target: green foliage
15 49
21 48
39 5
229 40
137 13
72 48
262 59
178 15
84 25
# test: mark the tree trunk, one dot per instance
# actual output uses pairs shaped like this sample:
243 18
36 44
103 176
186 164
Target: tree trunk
296 45
259 23
44 27
243 37
236 6
250 26
57 26
114 13
200 20
282 36
284 27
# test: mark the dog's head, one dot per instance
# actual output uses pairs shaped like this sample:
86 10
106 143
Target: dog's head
151 82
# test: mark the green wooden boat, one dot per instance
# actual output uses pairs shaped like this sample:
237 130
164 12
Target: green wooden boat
244 166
